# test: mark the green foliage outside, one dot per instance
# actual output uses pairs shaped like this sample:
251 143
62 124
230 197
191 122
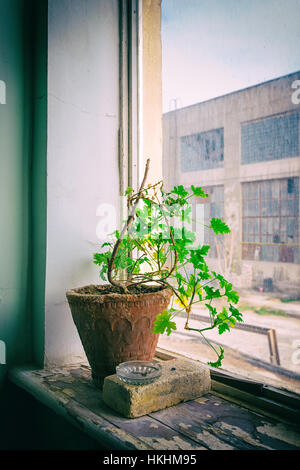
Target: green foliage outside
263 310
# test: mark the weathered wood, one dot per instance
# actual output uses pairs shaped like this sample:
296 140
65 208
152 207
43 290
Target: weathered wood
210 422
197 427
79 386
81 417
251 427
219 424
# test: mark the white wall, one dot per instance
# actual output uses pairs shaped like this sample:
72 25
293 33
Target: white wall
82 161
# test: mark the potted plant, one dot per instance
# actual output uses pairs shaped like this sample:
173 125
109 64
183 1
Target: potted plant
152 260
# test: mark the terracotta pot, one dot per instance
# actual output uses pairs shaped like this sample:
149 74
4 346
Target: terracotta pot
115 328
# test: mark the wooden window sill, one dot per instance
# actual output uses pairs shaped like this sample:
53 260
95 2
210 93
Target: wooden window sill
210 422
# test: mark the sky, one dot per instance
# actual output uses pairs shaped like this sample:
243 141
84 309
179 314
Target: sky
214 47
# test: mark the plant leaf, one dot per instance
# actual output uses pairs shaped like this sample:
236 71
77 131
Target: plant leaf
219 226
198 191
163 323
128 191
218 363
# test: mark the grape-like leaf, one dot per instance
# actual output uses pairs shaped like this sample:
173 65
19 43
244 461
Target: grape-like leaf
232 295
218 363
180 191
223 327
163 323
236 313
219 226
198 191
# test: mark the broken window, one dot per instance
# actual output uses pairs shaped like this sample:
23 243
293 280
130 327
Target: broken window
270 138
202 151
271 220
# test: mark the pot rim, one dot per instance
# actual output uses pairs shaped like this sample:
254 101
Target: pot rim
72 293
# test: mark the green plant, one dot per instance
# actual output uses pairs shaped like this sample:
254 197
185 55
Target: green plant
155 236
290 300
263 310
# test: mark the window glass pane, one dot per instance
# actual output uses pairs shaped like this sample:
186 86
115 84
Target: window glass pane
276 225
264 207
274 207
263 224
231 125
271 139
284 188
273 211
275 189
197 152
270 253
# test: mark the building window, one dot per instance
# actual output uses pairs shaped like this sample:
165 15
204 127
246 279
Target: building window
270 139
202 151
213 207
271 220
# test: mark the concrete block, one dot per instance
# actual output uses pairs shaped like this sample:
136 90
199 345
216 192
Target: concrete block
181 380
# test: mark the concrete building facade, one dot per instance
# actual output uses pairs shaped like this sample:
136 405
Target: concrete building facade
244 149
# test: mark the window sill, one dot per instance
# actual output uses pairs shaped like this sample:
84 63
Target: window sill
210 422
281 405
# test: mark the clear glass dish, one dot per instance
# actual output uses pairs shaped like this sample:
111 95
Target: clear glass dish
138 372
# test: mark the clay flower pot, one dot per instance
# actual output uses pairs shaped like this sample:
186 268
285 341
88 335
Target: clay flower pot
114 327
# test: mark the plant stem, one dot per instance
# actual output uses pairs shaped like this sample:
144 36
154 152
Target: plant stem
124 230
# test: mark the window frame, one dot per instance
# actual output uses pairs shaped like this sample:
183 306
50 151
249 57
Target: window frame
283 247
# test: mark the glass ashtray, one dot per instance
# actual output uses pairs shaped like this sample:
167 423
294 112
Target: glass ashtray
138 372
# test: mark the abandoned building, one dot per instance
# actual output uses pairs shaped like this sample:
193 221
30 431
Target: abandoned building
243 148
